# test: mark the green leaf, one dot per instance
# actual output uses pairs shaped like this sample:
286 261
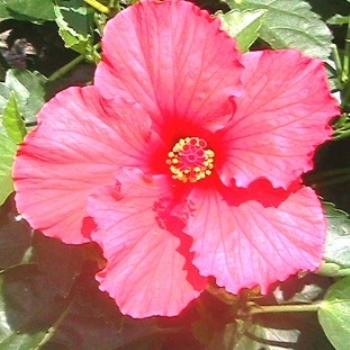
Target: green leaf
4 96
290 24
338 236
75 23
15 238
341 127
242 25
12 120
257 337
334 314
30 89
7 154
41 10
34 299
338 20
300 290
29 308
333 73
4 12
61 262
94 322
42 308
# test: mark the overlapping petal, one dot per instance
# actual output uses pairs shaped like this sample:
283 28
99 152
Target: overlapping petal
248 244
281 118
169 72
173 59
76 147
145 272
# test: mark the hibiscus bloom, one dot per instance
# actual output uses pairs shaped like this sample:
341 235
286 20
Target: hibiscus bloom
182 161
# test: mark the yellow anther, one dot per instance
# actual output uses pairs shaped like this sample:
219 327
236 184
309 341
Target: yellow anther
210 153
190 160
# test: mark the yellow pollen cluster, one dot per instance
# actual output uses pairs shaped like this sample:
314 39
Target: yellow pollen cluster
190 160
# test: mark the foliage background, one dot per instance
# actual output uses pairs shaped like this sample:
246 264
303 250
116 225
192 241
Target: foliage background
48 297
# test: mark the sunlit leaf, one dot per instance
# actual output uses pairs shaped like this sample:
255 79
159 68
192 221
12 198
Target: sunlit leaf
338 20
12 120
290 24
243 26
338 236
75 23
32 9
30 91
4 96
7 154
334 314
4 12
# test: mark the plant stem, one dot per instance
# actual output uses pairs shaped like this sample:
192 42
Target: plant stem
66 68
346 60
337 60
283 308
98 6
112 3
329 269
335 181
327 173
343 273
53 329
329 177
345 93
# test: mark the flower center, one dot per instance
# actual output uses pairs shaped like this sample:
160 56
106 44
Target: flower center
190 160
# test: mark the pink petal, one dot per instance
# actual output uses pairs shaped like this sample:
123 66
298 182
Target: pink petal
245 245
173 59
75 148
280 119
145 273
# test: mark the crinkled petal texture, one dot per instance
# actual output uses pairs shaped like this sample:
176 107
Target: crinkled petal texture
76 147
173 59
281 118
251 245
145 272
168 71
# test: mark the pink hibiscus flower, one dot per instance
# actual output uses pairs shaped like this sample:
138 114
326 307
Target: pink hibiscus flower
183 161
